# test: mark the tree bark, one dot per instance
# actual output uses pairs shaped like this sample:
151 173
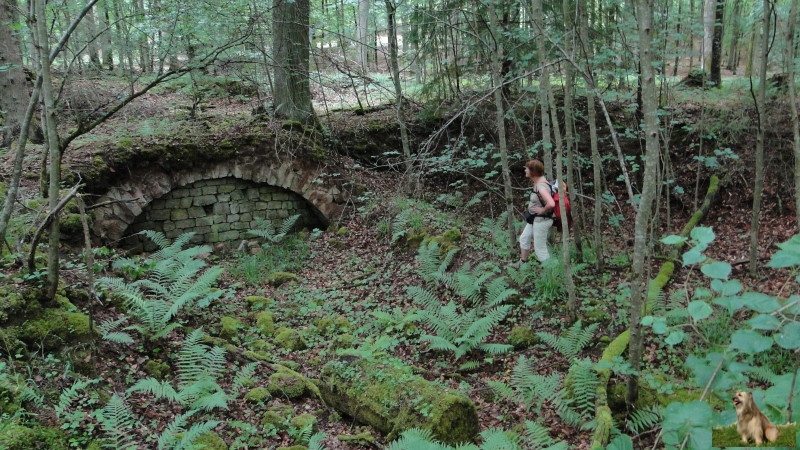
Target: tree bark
291 48
715 76
790 70
53 148
362 35
591 115
544 87
500 122
14 85
649 187
760 97
391 9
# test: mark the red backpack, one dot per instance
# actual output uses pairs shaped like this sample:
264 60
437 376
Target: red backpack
556 214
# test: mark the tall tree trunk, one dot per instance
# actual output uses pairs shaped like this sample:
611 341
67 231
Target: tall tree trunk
591 115
791 70
569 130
760 97
92 46
53 147
544 86
716 44
362 35
500 116
391 9
106 42
291 48
709 6
14 85
734 21
649 188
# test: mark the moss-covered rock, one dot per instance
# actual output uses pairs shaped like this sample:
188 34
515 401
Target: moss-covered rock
280 278
522 337
287 384
210 441
277 416
157 369
290 339
55 328
391 398
18 437
229 329
265 321
258 395
302 422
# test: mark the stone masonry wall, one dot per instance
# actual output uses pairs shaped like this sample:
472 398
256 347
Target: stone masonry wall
218 210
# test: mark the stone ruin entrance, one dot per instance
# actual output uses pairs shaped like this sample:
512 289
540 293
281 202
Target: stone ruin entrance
218 210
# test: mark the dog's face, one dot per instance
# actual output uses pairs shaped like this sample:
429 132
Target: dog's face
742 401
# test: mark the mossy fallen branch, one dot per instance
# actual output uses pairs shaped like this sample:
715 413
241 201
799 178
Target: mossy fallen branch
618 345
391 398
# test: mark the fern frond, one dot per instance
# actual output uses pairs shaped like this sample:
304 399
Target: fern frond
439 343
287 224
418 439
425 298
644 419
117 421
156 388
207 396
581 384
244 375
572 341
192 434
315 442
468 366
498 292
496 349
503 390
70 394
537 435
497 439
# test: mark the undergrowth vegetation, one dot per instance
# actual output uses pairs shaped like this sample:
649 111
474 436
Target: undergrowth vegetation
212 350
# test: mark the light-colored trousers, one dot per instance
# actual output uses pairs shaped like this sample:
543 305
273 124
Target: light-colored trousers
536 233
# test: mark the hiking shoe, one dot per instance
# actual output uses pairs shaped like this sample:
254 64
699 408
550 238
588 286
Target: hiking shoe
517 264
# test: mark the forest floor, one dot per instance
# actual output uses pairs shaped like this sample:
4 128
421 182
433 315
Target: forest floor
355 268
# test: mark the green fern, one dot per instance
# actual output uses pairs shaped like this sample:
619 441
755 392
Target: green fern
71 394
432 266
199 367
175 280
572 341
421 439
266 230
538 436
117 422
315 441
581 386
644 419
176 437
108 331
536 390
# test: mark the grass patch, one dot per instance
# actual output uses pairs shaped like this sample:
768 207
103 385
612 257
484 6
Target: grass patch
729 437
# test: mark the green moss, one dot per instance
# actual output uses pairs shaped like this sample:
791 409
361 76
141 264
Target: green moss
279 278
391 398
522 337
56 327
277 416
18 437
342 231
265 321
210 441
258 301
337 244
329 325
230 328
289 385
452 235
71 224
290 339
157 369
302 421
362 439
258 395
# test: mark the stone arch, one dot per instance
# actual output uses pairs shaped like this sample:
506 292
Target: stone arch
119 207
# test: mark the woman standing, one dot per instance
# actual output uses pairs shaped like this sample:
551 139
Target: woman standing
541 204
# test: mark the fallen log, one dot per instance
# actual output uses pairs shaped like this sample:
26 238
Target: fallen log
391 398
602 411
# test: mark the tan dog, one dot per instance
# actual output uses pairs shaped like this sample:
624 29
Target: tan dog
752 422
